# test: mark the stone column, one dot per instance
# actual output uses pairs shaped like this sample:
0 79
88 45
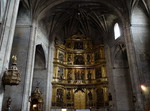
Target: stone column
109 66
6 39
134 73
29 69
49 78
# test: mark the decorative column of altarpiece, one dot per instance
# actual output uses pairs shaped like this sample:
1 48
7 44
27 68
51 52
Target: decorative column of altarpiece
79 79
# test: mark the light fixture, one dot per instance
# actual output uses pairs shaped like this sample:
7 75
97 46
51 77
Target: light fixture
64 110
34 105
143 88
36 100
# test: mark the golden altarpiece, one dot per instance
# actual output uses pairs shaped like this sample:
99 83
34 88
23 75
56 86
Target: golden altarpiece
79 79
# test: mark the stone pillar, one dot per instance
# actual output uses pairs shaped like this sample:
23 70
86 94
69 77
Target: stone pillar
29 69
6 39
49 78
134 73
109 66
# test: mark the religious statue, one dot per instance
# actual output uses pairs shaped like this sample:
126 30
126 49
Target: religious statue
78 45
68 95
79 59
98 73
61 57
69 45
89 75
82 75
59 97
88 58
14 58
69 75
77 75
90 95
69 58
60 73
100 97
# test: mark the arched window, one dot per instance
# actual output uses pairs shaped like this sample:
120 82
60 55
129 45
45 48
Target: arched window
116 31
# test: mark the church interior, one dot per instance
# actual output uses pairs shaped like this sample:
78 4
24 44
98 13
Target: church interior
74 55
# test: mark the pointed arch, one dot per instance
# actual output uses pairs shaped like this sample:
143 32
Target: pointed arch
40 60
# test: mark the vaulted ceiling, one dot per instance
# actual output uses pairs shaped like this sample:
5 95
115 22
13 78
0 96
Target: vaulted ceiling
90 17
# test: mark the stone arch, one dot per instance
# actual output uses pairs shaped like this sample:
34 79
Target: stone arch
40 60
139 14
121 78
40 71
120 54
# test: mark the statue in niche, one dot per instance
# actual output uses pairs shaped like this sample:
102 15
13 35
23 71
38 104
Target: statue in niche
79 60
100 96
90 95
89 75
59 96
77 75
68 95
78 45
69 75
98 73
69 58
69 45
82 75
60 73
61 57
88 58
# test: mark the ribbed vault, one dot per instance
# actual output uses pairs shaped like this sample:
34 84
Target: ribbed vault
93 18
